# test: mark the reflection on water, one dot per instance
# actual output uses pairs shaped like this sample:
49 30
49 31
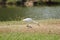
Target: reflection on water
17 13
43 12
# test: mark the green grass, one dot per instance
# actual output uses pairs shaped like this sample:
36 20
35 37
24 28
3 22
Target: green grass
28 36
15 0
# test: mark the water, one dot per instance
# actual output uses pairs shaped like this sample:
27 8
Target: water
41 12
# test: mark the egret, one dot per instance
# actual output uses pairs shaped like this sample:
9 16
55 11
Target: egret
29 20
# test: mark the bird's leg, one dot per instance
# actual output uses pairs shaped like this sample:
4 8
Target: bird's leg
29 26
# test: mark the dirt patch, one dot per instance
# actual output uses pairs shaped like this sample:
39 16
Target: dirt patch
43 28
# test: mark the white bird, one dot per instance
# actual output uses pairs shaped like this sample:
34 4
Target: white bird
29 20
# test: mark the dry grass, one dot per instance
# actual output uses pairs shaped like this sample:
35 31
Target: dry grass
46 26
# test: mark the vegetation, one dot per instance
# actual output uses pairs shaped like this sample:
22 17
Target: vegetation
28 36
8 28
52 0
17 0
11 13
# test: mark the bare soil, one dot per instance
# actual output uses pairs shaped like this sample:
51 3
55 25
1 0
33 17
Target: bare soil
46 27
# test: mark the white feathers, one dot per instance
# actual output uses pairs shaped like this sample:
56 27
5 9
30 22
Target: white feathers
30 20
27 20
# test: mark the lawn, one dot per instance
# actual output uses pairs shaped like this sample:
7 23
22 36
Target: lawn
28 36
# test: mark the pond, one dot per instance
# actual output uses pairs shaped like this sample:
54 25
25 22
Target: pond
37 13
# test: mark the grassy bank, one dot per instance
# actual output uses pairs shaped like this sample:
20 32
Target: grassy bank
28 36
46 26
17 30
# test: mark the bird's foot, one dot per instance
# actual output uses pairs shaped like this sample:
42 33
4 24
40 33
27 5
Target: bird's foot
29 26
